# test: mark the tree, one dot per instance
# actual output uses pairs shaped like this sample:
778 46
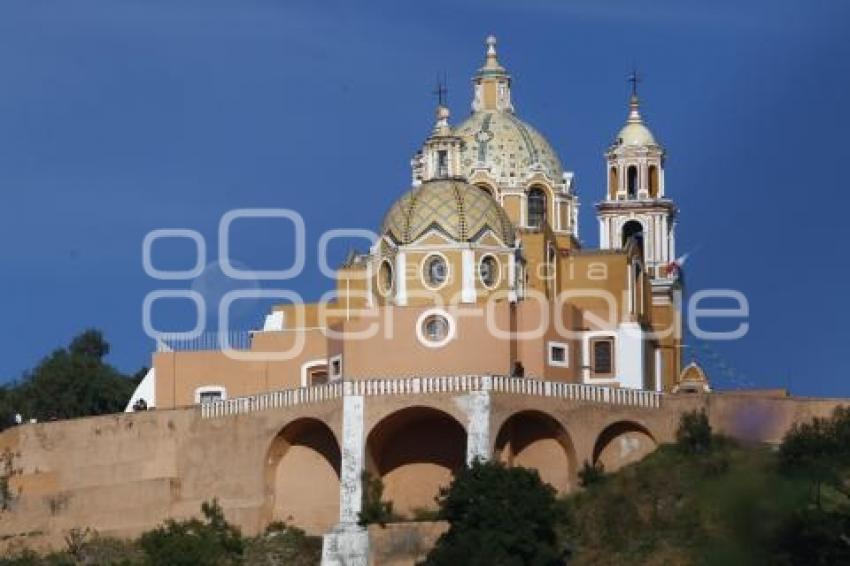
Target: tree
694 433
820 451
69 383
209 542
89 343
374 509
499 515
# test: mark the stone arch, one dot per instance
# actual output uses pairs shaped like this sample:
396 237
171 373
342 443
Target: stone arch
415 451
622 443
302 476
534 439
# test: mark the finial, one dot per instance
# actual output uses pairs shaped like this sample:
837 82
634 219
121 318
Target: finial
492 59
491 45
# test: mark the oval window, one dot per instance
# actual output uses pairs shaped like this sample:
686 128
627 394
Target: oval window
436 271
488 270
385 277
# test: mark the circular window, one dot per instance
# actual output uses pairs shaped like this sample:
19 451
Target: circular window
435 271
435 328
489 271
385 277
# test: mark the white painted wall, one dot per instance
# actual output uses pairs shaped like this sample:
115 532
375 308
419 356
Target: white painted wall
630 356
146 390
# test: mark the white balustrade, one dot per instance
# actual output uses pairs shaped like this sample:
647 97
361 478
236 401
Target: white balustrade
433 385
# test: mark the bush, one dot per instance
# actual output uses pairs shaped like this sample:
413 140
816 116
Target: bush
212 541
694 433
374 510
819 451
814 537
499 515
591 474
283 544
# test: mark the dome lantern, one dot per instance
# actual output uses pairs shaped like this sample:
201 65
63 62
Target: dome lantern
492 83
439 157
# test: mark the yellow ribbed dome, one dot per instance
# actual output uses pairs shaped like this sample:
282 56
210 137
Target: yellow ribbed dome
455 208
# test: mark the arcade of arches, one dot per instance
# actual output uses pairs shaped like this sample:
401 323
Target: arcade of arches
417 450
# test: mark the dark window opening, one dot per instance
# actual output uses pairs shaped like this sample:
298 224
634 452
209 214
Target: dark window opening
536 208
633 230
603 362
632 181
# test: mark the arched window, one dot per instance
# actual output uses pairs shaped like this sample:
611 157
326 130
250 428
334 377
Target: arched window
633 229
536 207
632 181
653 181
613 183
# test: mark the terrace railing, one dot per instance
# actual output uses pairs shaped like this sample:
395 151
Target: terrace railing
433 385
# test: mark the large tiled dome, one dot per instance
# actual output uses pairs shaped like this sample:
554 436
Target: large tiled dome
507 146
455 208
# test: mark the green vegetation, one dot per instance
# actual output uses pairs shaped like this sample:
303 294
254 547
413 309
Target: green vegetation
590 474
374 510
70 382
210 541
705 500
499 515
185 543
709 500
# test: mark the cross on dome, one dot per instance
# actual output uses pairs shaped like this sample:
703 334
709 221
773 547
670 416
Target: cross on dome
634 78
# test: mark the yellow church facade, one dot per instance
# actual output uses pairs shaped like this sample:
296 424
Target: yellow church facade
478 269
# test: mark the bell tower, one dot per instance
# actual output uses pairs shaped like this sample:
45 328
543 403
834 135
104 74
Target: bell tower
635 204
636 209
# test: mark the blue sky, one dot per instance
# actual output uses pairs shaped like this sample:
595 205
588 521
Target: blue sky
122 116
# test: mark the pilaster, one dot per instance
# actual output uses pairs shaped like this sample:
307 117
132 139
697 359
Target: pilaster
348 543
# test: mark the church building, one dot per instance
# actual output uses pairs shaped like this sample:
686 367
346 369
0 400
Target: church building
479 270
